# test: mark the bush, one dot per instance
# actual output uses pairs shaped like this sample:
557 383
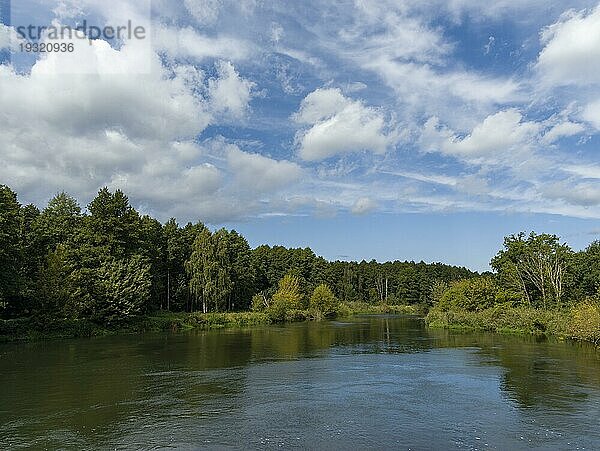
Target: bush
288 296
471 295
501 318
584 322
260 303
323 301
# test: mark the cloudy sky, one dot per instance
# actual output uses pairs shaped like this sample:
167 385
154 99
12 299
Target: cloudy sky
407 129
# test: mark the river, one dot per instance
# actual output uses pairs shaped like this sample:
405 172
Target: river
383 382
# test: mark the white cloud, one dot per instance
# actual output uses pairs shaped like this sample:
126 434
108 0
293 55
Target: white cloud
588 171
229 93
339 125
206 12
156 105
500 136
563 130
7 35
426 178
188 43
456 96
255 172
591 114
386 29
586 194
363 206
571 53
79 132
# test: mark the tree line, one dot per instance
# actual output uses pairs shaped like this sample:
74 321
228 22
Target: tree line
533 270
108 262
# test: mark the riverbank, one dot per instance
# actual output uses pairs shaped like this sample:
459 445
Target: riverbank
43 328
581 322
40 329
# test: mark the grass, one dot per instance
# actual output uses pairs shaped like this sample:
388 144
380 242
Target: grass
355 308
581 322
35 329
47 328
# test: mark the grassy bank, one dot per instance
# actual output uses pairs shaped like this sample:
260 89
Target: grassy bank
356 308
40 328
581 322
30 329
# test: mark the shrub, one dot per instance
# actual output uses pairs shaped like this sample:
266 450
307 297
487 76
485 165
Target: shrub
260 302
471 295
584 322
288 296
323 301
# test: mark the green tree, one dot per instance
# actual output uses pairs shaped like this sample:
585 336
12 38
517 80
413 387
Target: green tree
10 225
289 294
113 223
470 294
114 291
205 275
58 222
587 270
535 265
324 301
54 285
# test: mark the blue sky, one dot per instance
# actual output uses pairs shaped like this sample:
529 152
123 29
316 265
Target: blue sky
408 129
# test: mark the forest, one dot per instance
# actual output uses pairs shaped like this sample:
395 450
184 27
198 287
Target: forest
108 263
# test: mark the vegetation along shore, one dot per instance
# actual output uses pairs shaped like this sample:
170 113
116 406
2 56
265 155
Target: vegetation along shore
67 273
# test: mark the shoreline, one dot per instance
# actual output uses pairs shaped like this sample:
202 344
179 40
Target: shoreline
29 329
506 321
560 324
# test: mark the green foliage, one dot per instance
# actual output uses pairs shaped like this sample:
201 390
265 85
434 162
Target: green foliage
501 318
470 295
288 295
356 307
323 301
584 322
112 292
53 284
536 267
260 302
438 288
58 222
10 252
587 270
113 223
110 265
220 270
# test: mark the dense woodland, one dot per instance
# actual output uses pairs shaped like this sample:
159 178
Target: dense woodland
108 263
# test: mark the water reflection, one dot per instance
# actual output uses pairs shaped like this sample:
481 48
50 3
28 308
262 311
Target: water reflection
220 387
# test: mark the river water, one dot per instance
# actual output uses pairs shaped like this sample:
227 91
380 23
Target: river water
383 382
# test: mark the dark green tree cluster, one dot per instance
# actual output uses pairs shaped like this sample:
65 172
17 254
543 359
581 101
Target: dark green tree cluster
109 263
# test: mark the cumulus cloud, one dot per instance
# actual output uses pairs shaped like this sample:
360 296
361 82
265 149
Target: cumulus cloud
497 137
562 130
81 131
571 53
339 125
591 114
255 172
229 93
